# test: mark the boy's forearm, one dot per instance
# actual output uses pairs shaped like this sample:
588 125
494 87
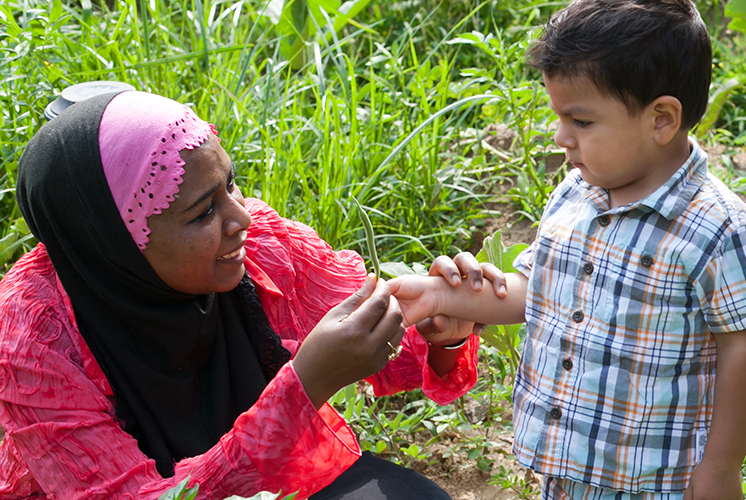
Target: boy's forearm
726 442
718 474
462 302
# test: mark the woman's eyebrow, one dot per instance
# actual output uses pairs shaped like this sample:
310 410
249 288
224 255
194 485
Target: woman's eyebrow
205 195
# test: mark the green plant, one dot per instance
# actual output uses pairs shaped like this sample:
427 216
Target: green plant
181 492
506 338
736 9
526 490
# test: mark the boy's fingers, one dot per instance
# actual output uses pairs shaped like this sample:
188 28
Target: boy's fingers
444 266
469 267
497 277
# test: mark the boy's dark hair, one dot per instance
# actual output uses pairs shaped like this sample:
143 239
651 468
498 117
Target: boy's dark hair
633 50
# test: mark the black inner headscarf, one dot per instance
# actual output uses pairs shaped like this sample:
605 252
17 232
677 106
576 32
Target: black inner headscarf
182 367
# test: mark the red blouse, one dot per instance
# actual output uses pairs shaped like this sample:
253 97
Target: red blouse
63 439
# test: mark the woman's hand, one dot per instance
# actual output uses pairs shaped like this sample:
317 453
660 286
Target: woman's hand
441 330
352 341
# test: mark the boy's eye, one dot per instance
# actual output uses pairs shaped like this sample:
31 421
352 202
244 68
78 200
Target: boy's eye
581 123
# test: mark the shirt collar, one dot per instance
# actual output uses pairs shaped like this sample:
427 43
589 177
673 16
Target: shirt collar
672 198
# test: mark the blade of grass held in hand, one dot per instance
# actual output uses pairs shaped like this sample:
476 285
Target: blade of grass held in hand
369 237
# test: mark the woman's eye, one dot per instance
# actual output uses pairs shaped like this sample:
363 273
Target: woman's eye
231 178
206 213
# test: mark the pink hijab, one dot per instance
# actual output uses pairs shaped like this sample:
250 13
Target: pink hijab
143 168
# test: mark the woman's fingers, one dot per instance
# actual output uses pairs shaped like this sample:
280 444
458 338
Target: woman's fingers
368 314
444 329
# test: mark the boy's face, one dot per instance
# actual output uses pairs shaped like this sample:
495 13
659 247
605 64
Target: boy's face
611 148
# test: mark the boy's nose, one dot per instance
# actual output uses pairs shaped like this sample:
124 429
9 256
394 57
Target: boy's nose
563 139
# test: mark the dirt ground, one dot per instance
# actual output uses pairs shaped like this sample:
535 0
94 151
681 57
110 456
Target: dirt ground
463 480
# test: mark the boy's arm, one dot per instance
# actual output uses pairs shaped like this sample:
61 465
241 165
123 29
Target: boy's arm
423 297
718 475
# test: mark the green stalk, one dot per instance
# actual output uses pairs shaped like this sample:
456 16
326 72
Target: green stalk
369 238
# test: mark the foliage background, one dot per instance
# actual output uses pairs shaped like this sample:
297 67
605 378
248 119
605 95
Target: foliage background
394 103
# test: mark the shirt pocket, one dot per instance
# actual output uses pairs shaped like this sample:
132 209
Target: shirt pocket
648 313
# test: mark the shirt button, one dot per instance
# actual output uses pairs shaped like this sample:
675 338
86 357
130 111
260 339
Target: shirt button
556 413
646 261
567 364
588 268
604 220
577 316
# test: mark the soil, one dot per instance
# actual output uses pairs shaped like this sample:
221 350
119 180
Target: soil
462 478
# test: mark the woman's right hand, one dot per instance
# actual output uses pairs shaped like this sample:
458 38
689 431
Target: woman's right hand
350 342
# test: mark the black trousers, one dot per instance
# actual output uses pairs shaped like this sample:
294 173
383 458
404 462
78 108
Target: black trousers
373 478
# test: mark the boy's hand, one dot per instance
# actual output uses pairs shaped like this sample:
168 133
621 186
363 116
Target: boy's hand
466 265
418 296
715 481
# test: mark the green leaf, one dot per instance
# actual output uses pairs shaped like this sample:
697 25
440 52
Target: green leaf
180 492
494 251
380 446
736 8
718 99
395 269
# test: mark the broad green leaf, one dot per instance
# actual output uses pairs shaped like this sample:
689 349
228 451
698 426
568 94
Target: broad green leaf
718 99
395 269
736 8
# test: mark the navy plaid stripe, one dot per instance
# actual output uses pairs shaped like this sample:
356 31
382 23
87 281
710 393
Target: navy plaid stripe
626 409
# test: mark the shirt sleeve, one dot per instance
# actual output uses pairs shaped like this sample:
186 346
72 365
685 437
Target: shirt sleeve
308 278
722 285
524 262
64 441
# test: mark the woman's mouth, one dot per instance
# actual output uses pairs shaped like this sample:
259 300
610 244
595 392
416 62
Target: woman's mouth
239 254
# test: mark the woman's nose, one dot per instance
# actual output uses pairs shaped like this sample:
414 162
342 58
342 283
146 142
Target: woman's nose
238 220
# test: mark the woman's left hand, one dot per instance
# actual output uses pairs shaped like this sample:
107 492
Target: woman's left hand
442 330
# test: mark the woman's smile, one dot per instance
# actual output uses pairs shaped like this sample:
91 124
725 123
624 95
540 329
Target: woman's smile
236 257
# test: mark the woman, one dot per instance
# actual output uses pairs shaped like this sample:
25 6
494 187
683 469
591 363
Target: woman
146 339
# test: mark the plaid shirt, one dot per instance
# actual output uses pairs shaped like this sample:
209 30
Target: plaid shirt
616 382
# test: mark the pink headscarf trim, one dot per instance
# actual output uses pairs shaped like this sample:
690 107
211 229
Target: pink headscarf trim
140 137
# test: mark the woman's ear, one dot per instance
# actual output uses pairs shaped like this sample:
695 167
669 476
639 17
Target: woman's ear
666 114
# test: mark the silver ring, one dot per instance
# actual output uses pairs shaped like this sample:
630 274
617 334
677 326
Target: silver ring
395 351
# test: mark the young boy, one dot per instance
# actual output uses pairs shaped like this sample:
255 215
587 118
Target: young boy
637 276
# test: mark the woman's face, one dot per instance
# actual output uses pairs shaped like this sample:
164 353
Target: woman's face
196 244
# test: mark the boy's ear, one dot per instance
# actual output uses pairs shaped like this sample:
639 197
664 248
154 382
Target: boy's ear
666 115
